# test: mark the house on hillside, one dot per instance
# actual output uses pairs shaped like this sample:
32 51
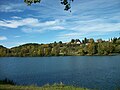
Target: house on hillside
99 40
75 41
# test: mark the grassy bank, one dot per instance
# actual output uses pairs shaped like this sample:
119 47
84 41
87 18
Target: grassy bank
7 84
46 87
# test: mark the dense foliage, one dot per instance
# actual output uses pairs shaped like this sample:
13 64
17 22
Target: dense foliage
7 84
72 48
46 87
6 81
66 3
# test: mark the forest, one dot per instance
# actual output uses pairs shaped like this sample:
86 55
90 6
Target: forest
73 48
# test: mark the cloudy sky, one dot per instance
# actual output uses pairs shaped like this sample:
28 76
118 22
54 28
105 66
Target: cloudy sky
47 21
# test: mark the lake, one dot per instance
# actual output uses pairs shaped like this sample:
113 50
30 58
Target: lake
101 72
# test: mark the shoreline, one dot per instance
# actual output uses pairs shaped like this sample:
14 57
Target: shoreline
113 54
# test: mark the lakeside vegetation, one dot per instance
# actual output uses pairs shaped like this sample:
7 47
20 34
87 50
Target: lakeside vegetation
73 48
10 85
46 87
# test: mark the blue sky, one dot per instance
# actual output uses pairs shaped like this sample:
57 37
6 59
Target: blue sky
47 21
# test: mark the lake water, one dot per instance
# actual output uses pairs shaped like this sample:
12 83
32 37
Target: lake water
101 72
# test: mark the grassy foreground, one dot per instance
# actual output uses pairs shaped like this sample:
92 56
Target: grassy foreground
46 87
7 84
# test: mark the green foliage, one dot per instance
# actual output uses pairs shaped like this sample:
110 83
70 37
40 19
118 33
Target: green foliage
85 41
117 49
88 47
46 87
4 51
7 81
7 84
105 48
66 3
81 52
91 48
29 2
55 51
72 40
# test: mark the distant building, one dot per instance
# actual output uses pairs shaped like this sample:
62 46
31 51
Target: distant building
78 42
99 40
75 41
91 40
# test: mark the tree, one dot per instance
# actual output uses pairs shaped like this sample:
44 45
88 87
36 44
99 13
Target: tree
55 51
91 40
3 51
64 51
91 48
41 51
66 3
60 42
105 48
117 49
100 48
72 40
85 40
47 51
81 51
114 40
29 2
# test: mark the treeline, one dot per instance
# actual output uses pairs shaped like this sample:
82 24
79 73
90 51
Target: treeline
72 48
7 81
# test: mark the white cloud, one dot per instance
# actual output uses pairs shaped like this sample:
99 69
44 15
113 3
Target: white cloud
30 22
58 28
30 25
97 27
18 23
48 23
32 30
83 28
41 29
16 17
17 36
11 8
3 38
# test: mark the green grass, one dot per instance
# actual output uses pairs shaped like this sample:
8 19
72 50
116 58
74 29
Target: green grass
46 87
7 84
